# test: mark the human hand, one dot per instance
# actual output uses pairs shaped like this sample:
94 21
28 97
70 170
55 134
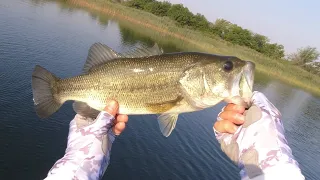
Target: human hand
230 118
119 124
89 145
254 140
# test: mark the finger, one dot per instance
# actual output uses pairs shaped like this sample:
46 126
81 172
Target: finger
225 126
232 116
235 107
118 128
122 118
112 107
236 100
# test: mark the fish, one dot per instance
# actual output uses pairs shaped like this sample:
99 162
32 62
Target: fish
145 80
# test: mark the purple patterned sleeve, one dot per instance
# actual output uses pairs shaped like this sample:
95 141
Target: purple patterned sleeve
88 150
259 146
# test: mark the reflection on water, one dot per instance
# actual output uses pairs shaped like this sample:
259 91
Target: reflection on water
57 36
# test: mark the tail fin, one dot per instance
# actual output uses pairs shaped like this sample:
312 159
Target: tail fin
43 84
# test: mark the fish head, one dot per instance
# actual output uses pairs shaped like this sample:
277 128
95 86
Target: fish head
228 77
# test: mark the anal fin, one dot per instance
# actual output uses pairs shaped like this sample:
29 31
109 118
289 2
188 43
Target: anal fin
167 123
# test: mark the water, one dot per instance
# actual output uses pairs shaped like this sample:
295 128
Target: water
58 38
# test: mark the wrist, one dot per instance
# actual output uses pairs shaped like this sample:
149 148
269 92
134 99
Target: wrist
88 150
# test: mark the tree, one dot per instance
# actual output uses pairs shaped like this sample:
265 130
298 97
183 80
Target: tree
221 27
200 22
158 8
313 67
180 14
304 55
259 42
237 35
138 4
274 50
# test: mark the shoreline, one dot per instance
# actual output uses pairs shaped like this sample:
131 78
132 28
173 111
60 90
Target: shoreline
264 65
114 13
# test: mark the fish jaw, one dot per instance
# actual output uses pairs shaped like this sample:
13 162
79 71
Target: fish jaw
242 86
246 82
249 74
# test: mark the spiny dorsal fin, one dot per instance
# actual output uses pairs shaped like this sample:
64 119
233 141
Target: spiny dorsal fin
99 54
143 51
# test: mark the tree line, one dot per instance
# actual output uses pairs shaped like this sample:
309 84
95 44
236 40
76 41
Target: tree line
304 57
222 28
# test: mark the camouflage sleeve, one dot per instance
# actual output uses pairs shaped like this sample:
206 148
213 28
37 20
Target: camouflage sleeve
88 150
259 146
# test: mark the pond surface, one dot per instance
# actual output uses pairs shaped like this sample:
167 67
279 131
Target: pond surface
58 38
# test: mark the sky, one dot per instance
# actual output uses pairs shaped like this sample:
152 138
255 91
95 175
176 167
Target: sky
293 24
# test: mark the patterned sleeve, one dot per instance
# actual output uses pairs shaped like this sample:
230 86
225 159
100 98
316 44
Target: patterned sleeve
259 146
88 150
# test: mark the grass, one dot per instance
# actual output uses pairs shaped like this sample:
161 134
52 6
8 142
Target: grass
163 30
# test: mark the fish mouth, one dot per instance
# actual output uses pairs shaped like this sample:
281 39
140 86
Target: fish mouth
246 81
242 87
248 73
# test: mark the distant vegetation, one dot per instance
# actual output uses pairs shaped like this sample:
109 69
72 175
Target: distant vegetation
222 28
227 31
305 57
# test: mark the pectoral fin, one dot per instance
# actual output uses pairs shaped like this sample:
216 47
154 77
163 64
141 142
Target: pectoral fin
167 122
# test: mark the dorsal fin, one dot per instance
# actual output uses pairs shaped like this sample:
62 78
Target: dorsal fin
143 51
99 54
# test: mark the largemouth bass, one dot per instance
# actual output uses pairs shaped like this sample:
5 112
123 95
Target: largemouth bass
145 81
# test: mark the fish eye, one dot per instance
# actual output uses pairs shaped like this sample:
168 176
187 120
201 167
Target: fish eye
228 66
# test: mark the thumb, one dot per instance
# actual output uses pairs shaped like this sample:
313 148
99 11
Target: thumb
112 107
